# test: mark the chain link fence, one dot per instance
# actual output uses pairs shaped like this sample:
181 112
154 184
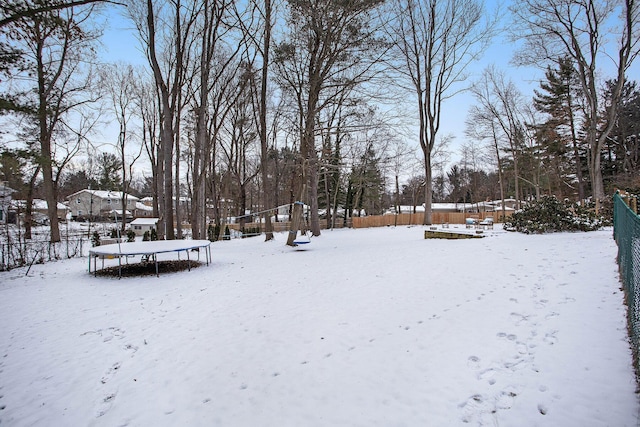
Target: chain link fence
20 252
626 232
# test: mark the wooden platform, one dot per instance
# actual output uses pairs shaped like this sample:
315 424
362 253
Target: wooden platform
441 234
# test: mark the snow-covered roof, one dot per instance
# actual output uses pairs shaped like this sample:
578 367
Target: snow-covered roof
37 204
144 221
142 207
106 194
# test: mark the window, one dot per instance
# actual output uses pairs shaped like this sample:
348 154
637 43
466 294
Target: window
137 227
79 213
78 201
108 201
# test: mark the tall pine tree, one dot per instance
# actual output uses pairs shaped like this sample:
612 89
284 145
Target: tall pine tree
559 98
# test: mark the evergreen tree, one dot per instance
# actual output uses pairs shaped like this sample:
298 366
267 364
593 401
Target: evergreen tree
564 151
621 157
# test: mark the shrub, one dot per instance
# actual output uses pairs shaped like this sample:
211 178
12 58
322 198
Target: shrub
95 239
213 232
146 236
250 232
227 233
549 214
154 234
131 235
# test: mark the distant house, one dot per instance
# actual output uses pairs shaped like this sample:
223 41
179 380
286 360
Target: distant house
5 201
142 225
100 203
143 210
39 209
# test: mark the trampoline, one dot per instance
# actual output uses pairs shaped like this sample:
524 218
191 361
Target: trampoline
147 250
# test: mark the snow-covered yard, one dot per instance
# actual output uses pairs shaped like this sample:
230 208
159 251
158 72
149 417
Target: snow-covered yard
368 327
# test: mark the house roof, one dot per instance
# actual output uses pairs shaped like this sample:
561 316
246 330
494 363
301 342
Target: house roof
144 221
38 204
142 207
105 194
119 212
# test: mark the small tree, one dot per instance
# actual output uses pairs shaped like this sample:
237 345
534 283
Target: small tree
95 239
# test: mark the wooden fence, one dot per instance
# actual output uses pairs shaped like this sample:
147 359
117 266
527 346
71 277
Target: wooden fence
380 220
418 218
285 225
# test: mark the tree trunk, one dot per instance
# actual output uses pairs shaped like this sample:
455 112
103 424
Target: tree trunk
264 149
428 189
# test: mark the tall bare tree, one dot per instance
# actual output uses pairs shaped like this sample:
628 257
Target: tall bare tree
583 31
499 110
217 65
120 85
436 41
330 44
166 29
262 43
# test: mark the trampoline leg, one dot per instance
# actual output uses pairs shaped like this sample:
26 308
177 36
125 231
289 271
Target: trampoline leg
156 261
188 261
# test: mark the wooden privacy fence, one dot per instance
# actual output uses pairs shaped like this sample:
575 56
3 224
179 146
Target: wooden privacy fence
418 218
284 225
378 221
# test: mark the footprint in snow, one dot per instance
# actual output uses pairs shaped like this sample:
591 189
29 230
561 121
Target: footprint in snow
110 373
105 405
550 338
473 362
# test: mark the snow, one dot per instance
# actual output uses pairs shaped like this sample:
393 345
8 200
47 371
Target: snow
366 327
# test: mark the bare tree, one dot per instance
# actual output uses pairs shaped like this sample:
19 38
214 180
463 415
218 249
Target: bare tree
119 80
436 41
13 11
262 44
148 112
211 100
168 58
331 44
553 29
57 47
500 112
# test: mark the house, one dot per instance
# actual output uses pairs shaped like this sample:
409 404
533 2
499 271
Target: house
143 210
39 210
142 225
5 201
99 203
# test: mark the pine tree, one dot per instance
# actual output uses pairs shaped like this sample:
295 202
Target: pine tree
558 97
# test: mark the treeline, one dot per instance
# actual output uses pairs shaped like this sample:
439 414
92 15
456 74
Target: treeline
255 104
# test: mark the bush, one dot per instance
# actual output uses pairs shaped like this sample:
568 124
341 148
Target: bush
131 235
549 214
154 234
146 236
227 233
95 239
213 232
250 232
